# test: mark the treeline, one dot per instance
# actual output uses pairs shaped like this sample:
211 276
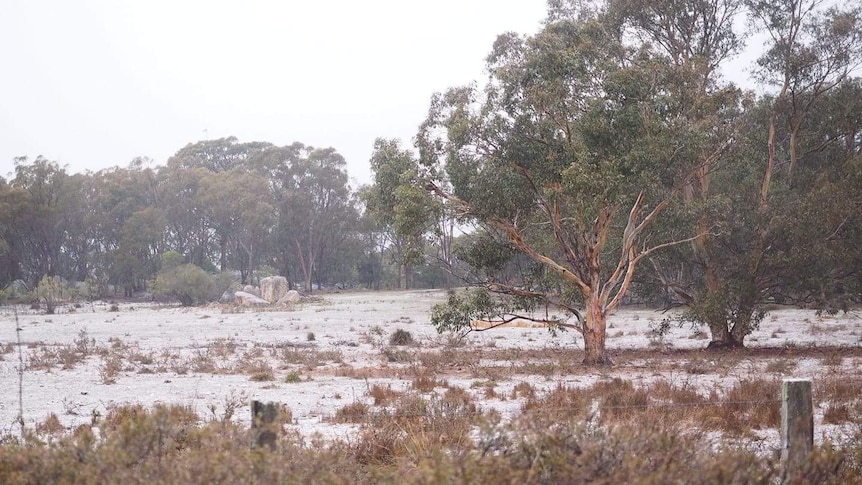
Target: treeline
251 209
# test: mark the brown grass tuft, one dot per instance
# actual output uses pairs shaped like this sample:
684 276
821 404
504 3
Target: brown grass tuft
355 412
383 395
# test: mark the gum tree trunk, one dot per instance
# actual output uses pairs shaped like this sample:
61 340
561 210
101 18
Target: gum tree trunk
595 333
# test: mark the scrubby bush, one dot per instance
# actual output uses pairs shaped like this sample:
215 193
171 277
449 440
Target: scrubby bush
185 282
401 337
52 291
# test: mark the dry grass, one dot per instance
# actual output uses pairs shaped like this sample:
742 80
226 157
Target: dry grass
618 430
51 425
355 412
749 404
110 369
838 389
383 395
393 355
426 383
523 389
781 366
401 337
416 440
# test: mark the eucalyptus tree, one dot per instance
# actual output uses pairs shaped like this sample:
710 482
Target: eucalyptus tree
10 264
79 256
176 194
768 223
238 207
371 239
219 155
142 241
33 217
812 50
400 205
811 253
696 38
314 198
119 193
566 158
275 163
180 189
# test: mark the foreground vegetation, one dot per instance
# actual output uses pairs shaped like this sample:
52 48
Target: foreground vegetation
435 410
413 440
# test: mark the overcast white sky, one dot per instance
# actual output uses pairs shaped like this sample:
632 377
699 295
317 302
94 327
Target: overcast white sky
96 83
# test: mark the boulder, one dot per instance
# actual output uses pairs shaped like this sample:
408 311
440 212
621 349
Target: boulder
273 288
251 289
246 298
291 296
227 297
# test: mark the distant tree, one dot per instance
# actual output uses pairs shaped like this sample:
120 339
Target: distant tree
400 205
221 155
186 231
135 260
34 218
115 195
313 199
238 207
10 266
370 263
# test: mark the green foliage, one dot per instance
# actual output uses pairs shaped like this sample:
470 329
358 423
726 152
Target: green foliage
400 205
187 283
461 309
172 260
485 253
53 290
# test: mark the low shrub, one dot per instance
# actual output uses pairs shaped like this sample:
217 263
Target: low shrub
401 338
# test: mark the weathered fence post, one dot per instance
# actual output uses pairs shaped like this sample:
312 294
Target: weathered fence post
797 423
264 424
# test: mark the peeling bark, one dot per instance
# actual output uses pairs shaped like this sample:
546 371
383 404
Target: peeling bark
595 334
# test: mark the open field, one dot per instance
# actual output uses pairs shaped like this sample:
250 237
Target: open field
341 362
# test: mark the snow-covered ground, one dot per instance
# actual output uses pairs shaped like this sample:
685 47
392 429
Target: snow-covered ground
322 355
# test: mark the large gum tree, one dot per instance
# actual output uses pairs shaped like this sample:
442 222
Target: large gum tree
566 158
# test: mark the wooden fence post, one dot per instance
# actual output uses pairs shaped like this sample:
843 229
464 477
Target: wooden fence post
797 423
264 424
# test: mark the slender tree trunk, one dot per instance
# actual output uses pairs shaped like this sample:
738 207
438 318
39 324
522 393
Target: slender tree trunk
223 254
794 156
595 333
251 262
404 277
306 263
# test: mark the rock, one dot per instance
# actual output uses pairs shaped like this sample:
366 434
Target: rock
291 296
246 298
273 288
227 297
251 289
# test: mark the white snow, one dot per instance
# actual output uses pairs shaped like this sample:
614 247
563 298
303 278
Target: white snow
348 331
